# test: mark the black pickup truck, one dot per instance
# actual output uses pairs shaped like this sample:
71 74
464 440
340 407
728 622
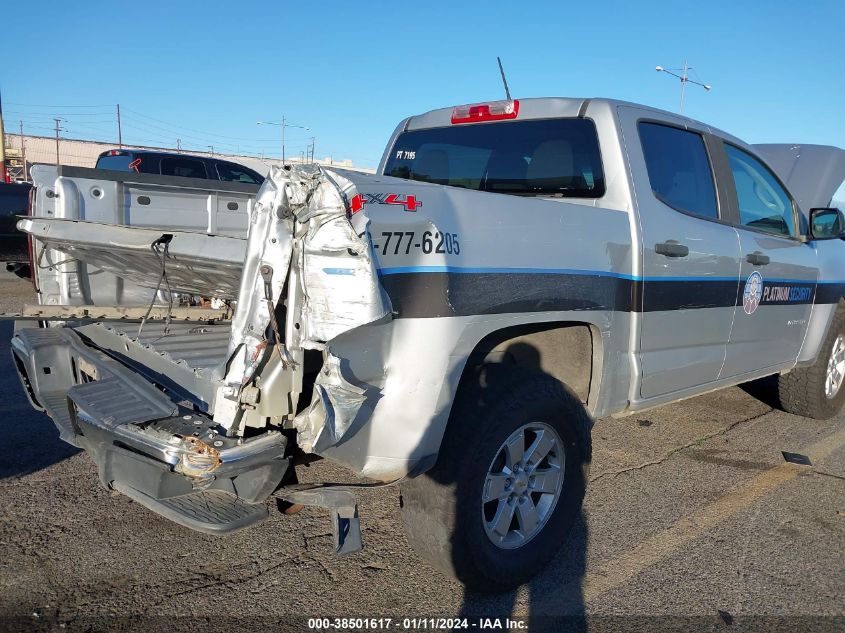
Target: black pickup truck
170 164
14 199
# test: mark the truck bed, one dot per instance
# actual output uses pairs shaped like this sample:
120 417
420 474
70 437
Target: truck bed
108 219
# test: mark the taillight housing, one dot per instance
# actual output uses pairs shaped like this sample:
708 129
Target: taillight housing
490 111
30 246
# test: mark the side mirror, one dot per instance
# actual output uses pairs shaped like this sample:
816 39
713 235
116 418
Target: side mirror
827 224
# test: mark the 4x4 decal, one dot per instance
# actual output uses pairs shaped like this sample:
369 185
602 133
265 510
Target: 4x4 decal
410 202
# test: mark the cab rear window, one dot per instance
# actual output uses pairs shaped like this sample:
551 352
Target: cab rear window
229 172
184 167
554 157
119 162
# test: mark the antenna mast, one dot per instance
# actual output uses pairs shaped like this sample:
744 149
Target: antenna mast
504 80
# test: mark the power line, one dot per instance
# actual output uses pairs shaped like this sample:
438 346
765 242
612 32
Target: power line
53 113
155 129
40 105
147 134
160 129
206 134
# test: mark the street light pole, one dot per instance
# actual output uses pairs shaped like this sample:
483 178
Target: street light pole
684 77
284 124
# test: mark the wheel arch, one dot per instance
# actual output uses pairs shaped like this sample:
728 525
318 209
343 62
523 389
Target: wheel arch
821 319
564 350
569 351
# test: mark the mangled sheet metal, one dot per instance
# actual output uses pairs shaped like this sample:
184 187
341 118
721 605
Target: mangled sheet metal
304 249
196 263
334 407
305 275
341 284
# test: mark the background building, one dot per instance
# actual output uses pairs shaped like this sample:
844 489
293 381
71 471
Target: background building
22 151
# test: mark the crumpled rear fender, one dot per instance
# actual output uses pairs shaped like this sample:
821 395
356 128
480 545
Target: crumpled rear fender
304 252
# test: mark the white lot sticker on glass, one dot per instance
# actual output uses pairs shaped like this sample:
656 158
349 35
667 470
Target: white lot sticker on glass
753 292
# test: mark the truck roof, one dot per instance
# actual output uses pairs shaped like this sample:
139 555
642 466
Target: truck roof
813 183
553 107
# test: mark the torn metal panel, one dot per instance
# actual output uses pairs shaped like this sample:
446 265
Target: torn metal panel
119 313
334 406
305 275
341 284
301 241
269 247
207 265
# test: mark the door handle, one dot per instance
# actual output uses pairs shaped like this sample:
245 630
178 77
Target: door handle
757 258
671 248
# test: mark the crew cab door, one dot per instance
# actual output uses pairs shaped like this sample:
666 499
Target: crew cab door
690 258
778 273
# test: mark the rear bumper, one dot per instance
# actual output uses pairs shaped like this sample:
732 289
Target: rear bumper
143 443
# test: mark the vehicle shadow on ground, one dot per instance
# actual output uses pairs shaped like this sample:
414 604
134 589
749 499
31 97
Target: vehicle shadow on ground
30 440
765 390
553 599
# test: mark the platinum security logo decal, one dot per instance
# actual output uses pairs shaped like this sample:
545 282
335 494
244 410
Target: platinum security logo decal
753 292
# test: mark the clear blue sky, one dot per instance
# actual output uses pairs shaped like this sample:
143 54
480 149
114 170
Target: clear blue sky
205 72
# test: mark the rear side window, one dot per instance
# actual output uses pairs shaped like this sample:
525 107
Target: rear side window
14 199
235 173
118 163
554 157
184 167
763 203
679 169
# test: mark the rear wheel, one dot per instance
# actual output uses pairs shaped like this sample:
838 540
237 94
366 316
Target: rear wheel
508 483
817 391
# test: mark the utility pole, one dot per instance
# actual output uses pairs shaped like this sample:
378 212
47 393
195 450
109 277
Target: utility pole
23 152
283 140
313 139
4 175
58 129
178 144
119 131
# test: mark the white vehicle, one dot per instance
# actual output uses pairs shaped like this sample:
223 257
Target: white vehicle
452 323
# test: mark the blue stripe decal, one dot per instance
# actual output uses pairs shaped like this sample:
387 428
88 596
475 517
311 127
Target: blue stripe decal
339 271
575 271
530 271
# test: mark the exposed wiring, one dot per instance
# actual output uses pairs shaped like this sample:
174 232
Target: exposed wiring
161 256
267 276
49 266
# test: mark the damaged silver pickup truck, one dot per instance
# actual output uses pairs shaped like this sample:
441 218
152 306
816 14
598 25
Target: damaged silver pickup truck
454 322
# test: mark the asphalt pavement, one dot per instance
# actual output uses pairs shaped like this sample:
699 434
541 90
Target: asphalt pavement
693 520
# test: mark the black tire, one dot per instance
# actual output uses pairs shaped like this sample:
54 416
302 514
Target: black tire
802 390
442 510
